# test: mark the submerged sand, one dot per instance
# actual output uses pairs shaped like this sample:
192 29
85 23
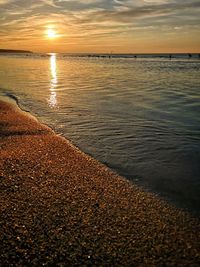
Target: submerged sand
59 207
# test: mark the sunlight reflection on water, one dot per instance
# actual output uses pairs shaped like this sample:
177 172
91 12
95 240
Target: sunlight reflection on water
52 101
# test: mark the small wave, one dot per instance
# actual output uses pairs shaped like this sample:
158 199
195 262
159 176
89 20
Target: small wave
17 101
13 97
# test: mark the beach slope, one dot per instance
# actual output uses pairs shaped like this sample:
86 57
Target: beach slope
59 207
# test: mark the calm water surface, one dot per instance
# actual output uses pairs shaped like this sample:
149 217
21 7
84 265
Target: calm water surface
140 117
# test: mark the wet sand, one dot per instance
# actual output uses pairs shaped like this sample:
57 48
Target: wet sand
59 207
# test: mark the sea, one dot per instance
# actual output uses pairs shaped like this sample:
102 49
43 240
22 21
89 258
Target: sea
137 114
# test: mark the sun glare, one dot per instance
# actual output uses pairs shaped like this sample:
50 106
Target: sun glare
51 33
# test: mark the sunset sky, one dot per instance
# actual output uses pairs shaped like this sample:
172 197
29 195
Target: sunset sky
118 26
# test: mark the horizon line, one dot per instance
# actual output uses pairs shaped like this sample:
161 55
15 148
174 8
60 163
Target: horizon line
96 53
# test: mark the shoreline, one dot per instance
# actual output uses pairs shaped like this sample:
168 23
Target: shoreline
62 207
13 100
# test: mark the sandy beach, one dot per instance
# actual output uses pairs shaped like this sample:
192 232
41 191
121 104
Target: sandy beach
60 207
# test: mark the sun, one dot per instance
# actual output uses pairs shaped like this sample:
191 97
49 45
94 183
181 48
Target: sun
51 33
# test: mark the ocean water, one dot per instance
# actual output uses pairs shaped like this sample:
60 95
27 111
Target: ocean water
139 116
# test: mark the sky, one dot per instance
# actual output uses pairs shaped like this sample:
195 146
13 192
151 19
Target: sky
101 26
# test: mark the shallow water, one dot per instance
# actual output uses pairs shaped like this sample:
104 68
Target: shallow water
140 116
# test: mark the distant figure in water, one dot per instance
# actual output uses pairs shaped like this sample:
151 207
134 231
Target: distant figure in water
170 56
135 57
189 55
